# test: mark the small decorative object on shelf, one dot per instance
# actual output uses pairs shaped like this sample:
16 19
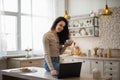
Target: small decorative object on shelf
84 26
95 52
27 52
109 53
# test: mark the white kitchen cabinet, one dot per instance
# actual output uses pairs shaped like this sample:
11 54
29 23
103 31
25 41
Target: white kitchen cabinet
85 66
111 68
108 68
25 62
97 64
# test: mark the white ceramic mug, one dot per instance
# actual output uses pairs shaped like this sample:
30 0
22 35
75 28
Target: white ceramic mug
69 41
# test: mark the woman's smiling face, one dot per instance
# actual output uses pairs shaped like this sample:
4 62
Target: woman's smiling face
60 26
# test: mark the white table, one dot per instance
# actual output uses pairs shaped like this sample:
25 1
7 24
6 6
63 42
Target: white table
37 74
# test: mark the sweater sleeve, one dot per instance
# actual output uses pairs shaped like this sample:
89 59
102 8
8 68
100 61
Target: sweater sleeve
62 49
47 52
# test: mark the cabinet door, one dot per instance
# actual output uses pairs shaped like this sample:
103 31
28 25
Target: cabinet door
41 62
111 68
3 64
13 64
25 63
85 66
28 63
97 64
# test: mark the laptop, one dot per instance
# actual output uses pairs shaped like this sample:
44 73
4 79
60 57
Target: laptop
67 70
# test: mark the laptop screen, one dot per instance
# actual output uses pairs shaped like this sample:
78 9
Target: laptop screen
70 70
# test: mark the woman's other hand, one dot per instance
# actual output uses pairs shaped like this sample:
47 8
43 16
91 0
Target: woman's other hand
68 42
54 72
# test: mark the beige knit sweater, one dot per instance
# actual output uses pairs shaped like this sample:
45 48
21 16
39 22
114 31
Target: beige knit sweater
52 48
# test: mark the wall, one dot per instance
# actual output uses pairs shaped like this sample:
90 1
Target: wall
79 7
109 33
60 7
109 25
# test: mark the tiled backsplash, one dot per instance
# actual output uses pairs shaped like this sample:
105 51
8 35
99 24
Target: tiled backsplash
116 53
109 33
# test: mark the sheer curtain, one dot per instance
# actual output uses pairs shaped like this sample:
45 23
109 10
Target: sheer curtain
3 42
42 25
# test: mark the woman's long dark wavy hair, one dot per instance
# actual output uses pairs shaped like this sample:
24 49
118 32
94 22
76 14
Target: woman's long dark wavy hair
64 34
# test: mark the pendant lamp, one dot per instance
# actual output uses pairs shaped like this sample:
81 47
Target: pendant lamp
66 15
107 10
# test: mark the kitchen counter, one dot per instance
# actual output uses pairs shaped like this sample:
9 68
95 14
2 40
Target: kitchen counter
90 58
37 74
13 55
24 59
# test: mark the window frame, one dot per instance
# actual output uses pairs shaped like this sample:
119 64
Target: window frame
18 22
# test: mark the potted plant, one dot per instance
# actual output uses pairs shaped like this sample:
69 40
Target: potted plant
27 52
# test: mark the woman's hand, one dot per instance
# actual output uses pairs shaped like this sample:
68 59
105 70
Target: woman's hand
54 72
68 43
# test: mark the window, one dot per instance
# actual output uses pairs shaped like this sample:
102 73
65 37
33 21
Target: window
11 32
25 22
11 5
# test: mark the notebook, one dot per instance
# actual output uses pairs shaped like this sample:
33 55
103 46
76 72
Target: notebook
67 70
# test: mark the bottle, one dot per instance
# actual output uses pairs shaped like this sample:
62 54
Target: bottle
89 53
96 73
109 54
73 48
105 53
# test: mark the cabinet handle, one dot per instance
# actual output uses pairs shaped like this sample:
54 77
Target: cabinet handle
83 61
111 63
96 62
30 62
110 74
110 68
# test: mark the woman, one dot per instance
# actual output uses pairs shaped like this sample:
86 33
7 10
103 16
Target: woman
54 42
